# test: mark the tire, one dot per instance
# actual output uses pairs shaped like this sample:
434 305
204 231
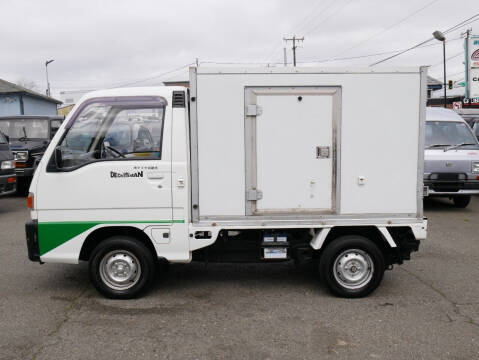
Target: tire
461 201
351 282
122 267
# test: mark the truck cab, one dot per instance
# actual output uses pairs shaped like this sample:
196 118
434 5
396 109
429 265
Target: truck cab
29 137
451 160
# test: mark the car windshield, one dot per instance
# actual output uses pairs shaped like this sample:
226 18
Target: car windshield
449 133
25 128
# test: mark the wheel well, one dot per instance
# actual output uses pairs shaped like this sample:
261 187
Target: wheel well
99 235
370 232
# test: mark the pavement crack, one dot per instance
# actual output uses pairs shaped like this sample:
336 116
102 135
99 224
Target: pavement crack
454 304
64 319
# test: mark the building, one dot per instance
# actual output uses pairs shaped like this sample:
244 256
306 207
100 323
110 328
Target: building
432 85
70 98
17 100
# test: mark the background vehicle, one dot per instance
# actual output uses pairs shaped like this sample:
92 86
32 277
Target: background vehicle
471 116
7 168
451 161
253 165
29 137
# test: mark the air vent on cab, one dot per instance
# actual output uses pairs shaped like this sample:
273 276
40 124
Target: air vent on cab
178 99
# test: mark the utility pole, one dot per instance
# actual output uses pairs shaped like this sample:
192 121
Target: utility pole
285 58
46 70
466 62
294 39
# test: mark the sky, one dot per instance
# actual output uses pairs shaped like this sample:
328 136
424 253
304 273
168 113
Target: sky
111 43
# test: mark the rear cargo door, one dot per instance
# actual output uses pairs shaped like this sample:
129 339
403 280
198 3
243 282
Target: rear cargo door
291 140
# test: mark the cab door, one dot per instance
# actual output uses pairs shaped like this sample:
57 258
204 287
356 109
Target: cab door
101 172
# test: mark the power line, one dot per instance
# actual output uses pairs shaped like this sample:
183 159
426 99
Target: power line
153 77
375 54
447 59
389 27
328 17
292 28
311 20
455 27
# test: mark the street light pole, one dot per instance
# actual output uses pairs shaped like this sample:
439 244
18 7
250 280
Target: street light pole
440 36
46 70
444 57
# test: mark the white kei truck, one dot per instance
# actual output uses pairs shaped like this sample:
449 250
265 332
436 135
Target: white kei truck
321 165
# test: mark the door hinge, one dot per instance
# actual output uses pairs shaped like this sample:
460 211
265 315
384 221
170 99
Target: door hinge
254 195
254 110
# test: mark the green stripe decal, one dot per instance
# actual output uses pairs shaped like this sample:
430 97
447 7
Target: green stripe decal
54 234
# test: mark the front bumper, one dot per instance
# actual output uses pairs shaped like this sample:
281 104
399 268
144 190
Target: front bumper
456 187
24 172
31 230
6 186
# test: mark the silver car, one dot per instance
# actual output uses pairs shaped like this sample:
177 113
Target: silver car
451 159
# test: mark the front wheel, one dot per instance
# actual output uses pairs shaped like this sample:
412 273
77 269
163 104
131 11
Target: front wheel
352 266
461 201
121 267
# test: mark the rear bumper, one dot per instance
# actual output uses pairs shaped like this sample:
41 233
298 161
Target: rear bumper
31 230
6 187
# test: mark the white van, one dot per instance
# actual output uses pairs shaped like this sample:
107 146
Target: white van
248 165
451 162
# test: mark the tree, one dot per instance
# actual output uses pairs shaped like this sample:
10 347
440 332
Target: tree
28 84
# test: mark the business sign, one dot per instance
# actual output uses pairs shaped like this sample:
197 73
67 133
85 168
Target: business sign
473 67
474 52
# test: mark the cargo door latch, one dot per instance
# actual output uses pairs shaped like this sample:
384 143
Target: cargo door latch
322 152
253 195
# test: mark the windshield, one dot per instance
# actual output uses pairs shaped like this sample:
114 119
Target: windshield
449 133
25 128
3 139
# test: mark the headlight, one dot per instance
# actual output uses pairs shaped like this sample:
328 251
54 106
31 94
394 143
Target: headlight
7 165
21 156
475 167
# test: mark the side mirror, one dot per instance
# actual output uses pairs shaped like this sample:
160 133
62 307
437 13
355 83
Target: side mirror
58 157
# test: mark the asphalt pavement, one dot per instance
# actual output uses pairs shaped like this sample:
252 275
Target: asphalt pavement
427 308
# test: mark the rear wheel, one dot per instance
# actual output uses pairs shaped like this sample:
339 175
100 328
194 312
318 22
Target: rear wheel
352 266
461 201
121 267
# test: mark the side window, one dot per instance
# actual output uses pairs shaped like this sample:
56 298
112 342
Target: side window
113 132
476 128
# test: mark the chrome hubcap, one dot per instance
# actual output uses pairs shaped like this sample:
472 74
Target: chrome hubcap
120 269
353 268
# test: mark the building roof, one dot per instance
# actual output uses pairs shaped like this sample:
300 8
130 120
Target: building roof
433 81
7 87
450 93
441 114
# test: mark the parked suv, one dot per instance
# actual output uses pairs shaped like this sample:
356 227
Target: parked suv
7 168
451 160
29 136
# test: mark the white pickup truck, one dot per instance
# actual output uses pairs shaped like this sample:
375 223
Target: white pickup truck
248 165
